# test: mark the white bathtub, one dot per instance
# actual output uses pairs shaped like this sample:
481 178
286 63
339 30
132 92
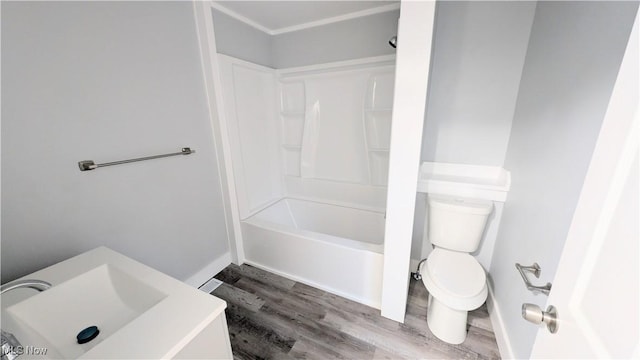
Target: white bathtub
334 248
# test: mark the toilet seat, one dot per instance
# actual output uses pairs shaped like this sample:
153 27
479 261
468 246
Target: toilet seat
454 278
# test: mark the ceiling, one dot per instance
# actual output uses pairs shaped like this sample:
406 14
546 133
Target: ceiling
276 16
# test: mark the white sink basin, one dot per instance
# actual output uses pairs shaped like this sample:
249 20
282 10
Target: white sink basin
140 312
106 297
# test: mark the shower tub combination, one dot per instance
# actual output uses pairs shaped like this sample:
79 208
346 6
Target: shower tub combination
305 140
331 247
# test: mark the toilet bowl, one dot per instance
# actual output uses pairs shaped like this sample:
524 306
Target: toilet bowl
456 282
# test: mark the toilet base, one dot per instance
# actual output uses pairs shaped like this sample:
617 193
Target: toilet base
447 324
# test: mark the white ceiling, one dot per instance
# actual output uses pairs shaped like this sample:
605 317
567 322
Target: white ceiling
276 16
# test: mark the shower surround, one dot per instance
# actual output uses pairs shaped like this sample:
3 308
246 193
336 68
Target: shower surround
310 151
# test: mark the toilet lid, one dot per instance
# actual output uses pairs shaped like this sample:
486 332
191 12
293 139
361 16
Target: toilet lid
457 273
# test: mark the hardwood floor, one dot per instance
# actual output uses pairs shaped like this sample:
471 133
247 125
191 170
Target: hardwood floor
271 317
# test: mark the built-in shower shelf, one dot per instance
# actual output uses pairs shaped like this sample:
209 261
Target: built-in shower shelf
482 182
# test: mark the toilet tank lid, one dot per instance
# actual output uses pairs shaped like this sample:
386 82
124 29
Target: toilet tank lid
460 204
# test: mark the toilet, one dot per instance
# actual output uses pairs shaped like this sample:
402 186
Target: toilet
455 280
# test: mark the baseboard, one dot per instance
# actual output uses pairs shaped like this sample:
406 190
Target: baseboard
207 272
502 337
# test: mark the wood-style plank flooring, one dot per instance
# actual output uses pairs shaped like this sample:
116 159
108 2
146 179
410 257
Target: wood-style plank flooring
271 317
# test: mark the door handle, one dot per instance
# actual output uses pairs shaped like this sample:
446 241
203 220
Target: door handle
534 314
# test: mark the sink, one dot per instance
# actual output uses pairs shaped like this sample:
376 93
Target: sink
139 311
106 297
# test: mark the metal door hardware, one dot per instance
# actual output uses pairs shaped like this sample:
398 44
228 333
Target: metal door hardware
534 314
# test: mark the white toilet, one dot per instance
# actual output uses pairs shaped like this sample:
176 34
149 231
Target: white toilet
455 280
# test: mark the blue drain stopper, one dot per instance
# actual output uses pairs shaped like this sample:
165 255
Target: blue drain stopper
87 334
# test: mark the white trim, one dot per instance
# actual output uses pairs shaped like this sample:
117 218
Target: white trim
415 28
241 18
307 25
212 81
335 19
382 60
499 330
205 274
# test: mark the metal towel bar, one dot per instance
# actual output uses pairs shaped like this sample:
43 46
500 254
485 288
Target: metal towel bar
535 270
86 165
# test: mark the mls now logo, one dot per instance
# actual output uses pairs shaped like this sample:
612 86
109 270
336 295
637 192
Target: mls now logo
11 352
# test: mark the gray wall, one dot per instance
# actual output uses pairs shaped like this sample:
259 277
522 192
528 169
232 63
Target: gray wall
237 39
345 40
106 81
571 65
478 53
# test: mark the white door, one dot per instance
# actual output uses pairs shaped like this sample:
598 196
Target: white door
596 288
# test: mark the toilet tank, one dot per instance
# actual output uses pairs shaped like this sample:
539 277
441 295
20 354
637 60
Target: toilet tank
457 223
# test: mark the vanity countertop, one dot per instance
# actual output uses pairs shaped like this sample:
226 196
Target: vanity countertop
159 314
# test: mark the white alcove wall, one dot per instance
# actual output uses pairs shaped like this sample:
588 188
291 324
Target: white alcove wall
249 93
318 132
336 122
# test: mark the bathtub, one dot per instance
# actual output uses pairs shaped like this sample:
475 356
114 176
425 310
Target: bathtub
334 248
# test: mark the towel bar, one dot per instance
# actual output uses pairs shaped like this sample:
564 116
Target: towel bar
535 270
86 165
